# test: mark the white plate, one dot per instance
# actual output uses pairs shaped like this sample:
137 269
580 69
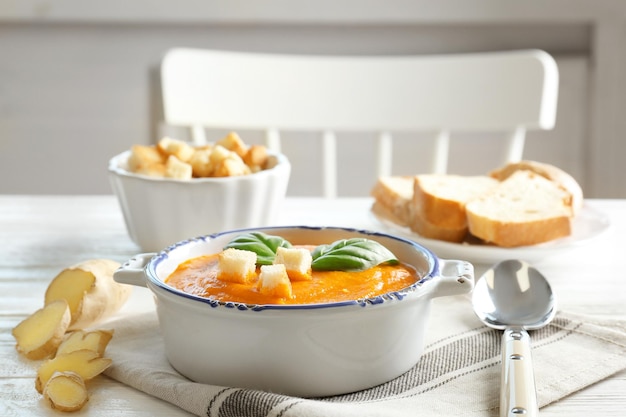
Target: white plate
587 225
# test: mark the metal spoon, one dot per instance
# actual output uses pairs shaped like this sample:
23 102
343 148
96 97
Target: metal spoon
515 297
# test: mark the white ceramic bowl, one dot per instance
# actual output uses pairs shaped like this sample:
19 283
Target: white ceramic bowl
160 211
305 350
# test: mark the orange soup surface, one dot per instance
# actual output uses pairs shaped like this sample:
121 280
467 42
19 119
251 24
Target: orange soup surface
198 276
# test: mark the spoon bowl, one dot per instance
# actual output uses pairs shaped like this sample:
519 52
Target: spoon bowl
515 297
513 293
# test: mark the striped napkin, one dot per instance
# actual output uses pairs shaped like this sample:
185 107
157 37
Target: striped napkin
459 373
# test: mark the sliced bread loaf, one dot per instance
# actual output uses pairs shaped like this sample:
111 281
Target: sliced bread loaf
393 201
550 172
440 199
428 230
393 195
524 209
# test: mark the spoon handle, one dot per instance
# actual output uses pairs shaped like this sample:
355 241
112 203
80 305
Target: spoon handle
518 396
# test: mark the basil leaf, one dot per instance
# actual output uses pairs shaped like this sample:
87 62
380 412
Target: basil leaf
265 246
356 254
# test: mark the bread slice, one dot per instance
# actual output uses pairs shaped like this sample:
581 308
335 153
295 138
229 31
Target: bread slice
428 230
550 172
524 209
440 199
393 196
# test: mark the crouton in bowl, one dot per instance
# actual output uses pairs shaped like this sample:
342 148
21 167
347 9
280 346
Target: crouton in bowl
165 197
301 324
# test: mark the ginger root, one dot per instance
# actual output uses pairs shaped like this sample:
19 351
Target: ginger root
78 297
85 363
90 291
39 335
66 391
96 340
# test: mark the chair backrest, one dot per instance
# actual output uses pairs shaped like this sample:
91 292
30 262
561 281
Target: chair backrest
508 91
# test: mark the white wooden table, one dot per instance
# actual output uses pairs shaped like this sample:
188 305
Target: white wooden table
41 235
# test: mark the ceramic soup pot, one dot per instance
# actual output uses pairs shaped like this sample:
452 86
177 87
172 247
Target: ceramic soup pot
307 350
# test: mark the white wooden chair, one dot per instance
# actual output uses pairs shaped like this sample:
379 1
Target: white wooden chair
508 92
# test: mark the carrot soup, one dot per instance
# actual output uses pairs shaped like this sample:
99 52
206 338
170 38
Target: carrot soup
344 270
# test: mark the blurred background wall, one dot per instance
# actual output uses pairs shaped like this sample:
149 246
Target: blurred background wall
79 78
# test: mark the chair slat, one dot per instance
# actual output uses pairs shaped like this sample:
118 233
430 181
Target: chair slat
329 161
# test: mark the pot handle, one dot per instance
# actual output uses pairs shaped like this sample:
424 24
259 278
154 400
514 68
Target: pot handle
457 277
132 272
